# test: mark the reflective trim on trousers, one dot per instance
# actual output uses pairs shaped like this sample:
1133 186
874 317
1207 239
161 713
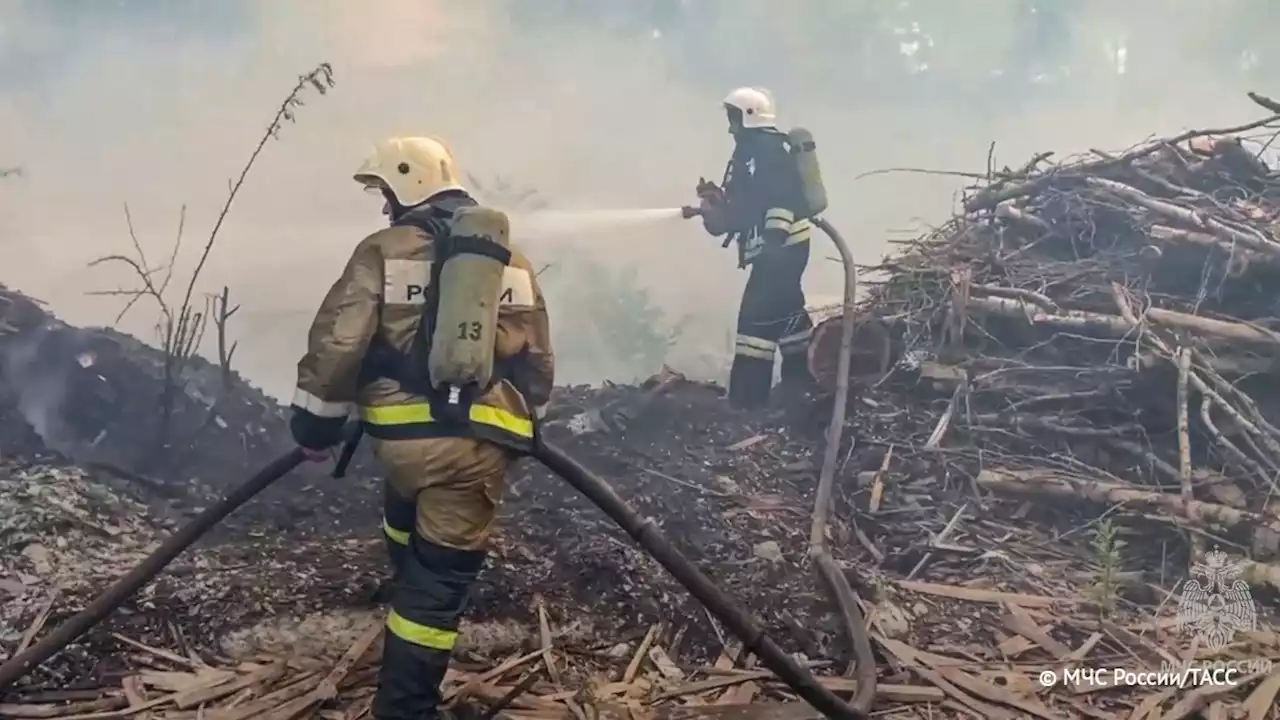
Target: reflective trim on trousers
754 347
795 342
420 635
395 535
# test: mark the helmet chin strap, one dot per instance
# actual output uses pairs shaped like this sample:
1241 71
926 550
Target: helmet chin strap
391 207
734 116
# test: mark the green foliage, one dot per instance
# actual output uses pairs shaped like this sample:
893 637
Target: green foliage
1106 547
634 330
605 323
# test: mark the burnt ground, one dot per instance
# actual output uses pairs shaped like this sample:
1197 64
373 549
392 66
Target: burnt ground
732 490
678 464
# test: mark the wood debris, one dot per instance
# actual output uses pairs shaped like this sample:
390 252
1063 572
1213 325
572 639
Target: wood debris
1064 404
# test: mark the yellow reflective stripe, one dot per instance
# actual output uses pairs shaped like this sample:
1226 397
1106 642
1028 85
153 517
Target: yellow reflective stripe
755 353
399 537
782 214
778 219
755 342
497 417
421 635
799 232
421 413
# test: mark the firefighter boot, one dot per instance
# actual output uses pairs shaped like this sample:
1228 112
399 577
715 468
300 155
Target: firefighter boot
409 681
796 379
750 380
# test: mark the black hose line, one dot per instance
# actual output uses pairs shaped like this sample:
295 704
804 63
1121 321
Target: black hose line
646 534
145 571
643 530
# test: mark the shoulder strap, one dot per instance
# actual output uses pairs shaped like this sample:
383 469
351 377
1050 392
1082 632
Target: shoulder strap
434 218
410 369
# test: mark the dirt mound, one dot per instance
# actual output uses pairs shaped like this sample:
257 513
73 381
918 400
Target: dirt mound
97 394
95 397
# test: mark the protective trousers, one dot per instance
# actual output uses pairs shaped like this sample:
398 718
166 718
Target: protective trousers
440 503
771 319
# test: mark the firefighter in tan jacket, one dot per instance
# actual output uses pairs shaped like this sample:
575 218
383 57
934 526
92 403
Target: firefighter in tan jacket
445 475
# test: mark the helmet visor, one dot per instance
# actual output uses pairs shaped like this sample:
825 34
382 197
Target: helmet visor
371 183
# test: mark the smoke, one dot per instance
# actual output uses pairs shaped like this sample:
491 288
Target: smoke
38 376
158 104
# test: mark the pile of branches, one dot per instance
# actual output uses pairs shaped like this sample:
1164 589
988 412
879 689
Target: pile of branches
1115 317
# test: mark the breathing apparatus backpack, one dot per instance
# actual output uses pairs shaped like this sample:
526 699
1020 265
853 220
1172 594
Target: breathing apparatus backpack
451 357
804 155
468 287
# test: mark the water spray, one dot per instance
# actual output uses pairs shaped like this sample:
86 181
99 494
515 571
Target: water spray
541 224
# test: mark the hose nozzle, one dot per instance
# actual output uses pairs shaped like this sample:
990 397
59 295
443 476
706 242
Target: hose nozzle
689 211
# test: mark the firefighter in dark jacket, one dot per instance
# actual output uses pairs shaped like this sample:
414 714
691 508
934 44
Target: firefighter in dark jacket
445 479
761 207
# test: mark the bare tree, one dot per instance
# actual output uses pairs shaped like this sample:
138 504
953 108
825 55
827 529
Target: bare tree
181 325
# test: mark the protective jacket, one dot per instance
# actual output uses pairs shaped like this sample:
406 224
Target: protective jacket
764 193
365 327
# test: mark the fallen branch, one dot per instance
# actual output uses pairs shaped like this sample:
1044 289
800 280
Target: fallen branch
1116 326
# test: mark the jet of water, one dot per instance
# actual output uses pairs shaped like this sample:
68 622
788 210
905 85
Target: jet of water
550 224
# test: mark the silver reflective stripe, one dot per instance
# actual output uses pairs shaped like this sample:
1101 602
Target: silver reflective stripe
517 288
404 282
778 219
795 342
799 232
319 407
754 347
755 353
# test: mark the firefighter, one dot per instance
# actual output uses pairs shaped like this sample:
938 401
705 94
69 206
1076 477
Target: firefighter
761 207
445 475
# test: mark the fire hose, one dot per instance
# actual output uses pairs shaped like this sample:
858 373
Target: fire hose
643 530
863 666
145 571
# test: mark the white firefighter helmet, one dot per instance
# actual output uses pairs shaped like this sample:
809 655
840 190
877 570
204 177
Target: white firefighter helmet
413 169
756 106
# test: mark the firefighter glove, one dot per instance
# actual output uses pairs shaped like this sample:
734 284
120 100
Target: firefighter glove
709 192
712 208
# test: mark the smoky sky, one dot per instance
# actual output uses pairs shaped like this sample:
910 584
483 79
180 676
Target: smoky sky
595 104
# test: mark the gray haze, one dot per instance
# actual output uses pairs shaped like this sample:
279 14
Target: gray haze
595 104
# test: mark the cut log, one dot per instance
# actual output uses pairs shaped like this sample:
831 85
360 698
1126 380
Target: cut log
872 351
